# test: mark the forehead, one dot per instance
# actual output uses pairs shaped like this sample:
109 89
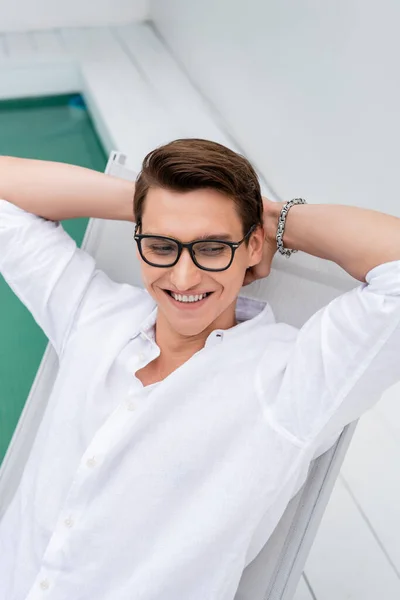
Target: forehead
189 215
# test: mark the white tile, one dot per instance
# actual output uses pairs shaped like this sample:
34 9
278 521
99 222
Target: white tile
47 43
97 44
187 107
389 409
302 592
371 470
345 561
170 83
3 48
19 46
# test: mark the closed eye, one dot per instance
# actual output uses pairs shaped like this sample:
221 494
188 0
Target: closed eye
160 248
211 248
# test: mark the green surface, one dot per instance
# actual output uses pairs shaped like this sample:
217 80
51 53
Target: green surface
59 129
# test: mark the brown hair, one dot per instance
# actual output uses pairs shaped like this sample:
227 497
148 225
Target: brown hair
188 164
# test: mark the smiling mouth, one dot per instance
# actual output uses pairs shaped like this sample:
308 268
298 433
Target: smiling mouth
190 298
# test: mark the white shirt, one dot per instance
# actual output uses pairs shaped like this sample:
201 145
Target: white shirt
169 491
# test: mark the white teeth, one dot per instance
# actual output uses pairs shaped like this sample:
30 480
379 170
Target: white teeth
182 298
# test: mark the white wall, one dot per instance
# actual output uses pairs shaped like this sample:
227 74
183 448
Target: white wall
309 89
26 15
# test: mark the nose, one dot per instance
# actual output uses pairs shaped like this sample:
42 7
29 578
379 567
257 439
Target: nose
185 274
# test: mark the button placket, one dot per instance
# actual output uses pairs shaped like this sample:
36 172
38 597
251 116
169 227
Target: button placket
74 507
69 521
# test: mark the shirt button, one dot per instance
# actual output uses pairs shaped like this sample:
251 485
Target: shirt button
131 406
141 356
69 522
91 462
44 584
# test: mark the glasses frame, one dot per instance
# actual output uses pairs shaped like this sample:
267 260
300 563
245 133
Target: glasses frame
189 245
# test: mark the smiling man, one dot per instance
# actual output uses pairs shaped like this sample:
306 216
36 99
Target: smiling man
183 418
195 290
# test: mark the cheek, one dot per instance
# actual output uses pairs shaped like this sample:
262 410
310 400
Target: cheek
233 280
149 275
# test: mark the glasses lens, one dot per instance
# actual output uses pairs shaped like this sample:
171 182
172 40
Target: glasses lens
212 255
159 251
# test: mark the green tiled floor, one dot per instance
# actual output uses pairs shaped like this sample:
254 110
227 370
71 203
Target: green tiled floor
59 129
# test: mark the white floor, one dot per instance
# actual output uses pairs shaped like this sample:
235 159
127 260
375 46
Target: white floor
139 98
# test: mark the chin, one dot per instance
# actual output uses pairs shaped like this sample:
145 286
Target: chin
189 329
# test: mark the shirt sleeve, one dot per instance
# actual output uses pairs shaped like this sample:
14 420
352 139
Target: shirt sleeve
342 360
45 269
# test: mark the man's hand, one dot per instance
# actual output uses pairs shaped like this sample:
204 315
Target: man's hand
271 216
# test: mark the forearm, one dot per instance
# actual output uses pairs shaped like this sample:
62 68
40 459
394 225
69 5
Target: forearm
58 191
357 239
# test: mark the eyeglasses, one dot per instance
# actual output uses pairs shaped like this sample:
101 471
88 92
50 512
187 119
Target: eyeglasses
209 255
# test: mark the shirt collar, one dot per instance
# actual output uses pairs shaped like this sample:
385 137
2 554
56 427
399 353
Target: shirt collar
147 330
248 308
250 313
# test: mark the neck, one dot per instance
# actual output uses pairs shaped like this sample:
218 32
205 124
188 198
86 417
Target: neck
175 348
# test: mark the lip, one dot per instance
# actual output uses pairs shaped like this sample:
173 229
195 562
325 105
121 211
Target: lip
197 293
187 305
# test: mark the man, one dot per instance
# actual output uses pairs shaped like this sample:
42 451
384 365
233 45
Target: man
183 419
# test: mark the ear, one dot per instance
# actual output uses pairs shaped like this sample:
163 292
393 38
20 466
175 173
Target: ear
256 246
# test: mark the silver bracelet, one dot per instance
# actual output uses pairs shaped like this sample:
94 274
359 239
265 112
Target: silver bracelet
281 226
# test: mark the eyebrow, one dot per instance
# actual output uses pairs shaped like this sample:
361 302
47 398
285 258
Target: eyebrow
206 236
216 236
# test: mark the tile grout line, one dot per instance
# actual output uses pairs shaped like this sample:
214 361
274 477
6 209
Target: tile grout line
308 584
369 525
